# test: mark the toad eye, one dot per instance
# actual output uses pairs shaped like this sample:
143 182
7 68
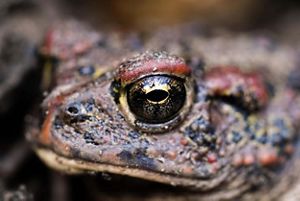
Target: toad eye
154 91
156 99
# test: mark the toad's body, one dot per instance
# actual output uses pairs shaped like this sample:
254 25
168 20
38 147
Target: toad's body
219 119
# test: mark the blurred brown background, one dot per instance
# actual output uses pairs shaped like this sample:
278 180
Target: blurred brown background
23 24
143 14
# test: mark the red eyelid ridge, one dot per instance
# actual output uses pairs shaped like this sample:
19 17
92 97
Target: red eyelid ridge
133 71
223 79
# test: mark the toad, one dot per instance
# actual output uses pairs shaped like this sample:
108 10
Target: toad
216 116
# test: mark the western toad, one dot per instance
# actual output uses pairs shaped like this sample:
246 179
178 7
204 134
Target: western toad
215 115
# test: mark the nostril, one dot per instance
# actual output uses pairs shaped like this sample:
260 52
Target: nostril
75 112
73 109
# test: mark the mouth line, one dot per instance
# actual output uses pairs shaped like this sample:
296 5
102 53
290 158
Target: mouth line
77 166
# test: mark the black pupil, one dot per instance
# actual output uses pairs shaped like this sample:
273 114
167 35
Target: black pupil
157 95
157 98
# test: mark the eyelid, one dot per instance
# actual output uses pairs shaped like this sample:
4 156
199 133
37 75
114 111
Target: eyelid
150 63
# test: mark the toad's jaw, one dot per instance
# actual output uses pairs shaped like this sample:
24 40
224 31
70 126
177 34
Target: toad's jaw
76 166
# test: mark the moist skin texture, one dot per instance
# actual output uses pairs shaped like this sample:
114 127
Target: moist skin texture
234 138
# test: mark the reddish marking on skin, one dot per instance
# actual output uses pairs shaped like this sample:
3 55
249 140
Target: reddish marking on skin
106 139
248 159
237 160
221 152
154 66
152 152
289 149
211 158
44 137
48 42
47 124
257 85
215 167
184 141
187 170
194 156
223 80
54 47
56 101
81 47
171 155
268 157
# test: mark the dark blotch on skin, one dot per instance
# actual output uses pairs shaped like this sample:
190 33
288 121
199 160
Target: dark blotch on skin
133 134
263 139
250 132
283 135
115 90
138 158
276 139
86 70
195 62
294 79
75 152
236 136
201 132
89 105
102 43
58 123
80 118
89 138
